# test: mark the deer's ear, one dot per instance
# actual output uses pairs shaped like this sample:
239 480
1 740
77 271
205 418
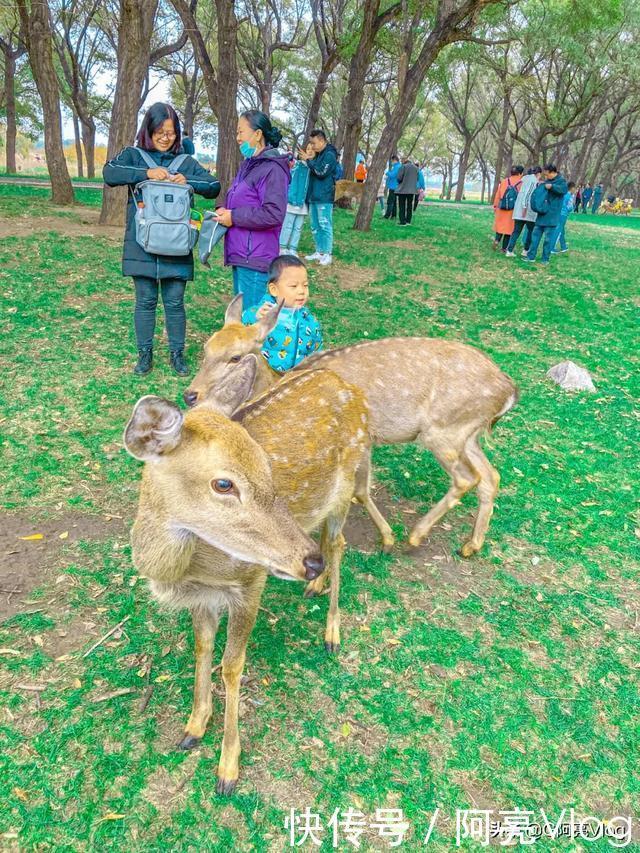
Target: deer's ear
155 428
265 324
233 314
237 388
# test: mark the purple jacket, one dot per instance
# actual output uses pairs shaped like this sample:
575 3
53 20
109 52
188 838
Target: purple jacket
258 199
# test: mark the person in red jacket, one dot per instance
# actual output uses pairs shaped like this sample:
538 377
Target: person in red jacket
503 220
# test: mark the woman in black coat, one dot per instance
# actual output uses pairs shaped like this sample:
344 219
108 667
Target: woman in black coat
160 137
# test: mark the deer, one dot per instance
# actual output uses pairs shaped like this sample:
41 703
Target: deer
351 190
222 505
442 394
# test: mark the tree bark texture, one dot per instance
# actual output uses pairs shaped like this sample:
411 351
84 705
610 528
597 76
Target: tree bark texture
35 19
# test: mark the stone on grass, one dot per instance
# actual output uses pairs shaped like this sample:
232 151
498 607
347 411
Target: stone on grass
570 377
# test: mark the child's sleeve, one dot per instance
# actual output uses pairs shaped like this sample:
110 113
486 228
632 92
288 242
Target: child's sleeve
317 336
250 315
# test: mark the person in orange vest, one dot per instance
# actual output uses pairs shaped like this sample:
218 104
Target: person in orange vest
361 172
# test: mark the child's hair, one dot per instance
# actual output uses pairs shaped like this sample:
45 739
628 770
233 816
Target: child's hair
571 184
281 263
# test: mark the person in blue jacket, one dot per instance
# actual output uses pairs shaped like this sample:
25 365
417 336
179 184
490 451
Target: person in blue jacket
392 186
297 333
297 207
568 205
421 187
597 198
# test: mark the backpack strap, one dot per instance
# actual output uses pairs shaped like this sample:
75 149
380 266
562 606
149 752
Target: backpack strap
175 164
148 159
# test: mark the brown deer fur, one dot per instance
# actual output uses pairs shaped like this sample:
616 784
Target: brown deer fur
442 394
209 550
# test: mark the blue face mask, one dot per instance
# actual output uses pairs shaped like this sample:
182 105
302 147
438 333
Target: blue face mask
246 150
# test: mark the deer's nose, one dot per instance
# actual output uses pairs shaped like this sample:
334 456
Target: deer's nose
190 397
314 566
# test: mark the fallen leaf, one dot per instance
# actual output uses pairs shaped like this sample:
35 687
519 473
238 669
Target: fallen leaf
112 816
345 730
21 794
32 538
162 678
37 639
63 535
10 652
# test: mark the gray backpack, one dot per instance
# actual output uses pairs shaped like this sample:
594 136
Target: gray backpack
163 212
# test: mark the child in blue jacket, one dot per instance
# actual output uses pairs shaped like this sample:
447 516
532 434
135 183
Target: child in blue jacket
568 204
297 333
297 207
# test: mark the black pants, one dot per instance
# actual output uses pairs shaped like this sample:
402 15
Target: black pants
405 203
391 205
144 316
518 225
505 240
416 201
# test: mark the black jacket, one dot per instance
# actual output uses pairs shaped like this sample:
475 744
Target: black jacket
322 176
129 169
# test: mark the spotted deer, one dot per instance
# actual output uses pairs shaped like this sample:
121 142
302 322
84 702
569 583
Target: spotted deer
224 502
441 394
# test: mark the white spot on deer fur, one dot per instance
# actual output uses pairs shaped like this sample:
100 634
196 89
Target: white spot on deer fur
363 418
344 396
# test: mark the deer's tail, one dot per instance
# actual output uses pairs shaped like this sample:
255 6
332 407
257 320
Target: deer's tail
511 401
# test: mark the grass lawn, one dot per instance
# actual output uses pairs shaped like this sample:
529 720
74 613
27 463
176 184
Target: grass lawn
509 680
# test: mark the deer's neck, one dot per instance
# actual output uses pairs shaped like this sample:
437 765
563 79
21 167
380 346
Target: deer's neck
265 378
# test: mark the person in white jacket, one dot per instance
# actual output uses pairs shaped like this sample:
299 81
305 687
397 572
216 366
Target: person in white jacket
524 218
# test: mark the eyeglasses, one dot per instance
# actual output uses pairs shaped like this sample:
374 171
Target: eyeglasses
163 135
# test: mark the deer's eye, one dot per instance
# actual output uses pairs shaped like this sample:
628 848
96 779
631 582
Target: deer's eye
222 487
235 358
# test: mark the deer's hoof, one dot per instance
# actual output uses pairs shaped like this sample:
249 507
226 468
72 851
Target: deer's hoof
414 541
226 787
332 648
468 550
189 742
309 592
387 546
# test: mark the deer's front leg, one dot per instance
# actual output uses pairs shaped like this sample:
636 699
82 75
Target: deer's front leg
205 624
242 618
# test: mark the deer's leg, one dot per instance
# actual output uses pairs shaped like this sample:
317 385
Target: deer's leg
362 494
241 621
464 478
487 490
332 544
205 624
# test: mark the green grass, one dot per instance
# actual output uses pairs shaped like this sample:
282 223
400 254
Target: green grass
509 680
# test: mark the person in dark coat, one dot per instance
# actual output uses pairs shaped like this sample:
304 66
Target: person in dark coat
160 137
407 188
597 198
587 192
255 206
547 222
321 195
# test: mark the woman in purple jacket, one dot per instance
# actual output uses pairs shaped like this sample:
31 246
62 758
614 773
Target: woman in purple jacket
255 207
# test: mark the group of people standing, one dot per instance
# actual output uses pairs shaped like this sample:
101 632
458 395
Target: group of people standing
405 185
263 212
586 194
536 206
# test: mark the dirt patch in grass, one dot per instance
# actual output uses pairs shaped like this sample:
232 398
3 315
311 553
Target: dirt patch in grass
352 277
83 222
26 563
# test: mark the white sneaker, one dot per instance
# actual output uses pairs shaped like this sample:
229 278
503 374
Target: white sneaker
315 257
524 253
510 254
325 260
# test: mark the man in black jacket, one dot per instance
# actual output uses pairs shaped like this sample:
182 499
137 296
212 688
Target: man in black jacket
321 194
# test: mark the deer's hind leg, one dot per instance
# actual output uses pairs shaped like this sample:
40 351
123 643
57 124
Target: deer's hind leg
205 625
487 490
362 493
450 452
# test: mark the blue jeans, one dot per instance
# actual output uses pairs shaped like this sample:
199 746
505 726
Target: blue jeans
144 315
291 230
519 226
540 231
321 214
252 284
559 235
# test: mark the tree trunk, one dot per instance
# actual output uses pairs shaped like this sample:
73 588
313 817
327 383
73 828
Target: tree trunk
502 140
78 144
462 168
10 106
352 105
37 30
320 88
451 24
89 143
228 157
134 49
189 104
443 191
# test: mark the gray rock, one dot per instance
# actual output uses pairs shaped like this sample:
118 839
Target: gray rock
570 377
